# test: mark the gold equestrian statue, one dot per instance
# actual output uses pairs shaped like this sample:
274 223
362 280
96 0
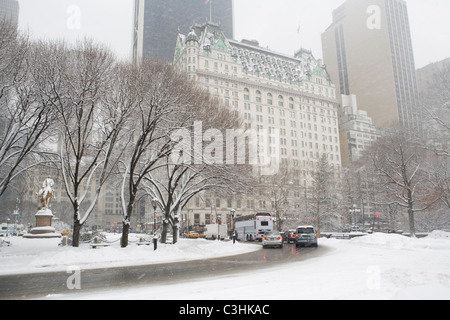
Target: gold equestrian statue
46 194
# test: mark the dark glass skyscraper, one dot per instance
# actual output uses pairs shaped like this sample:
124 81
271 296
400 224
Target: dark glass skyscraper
157 22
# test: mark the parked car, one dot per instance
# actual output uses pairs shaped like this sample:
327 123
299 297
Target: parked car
289 236
272 239
306 237
192 235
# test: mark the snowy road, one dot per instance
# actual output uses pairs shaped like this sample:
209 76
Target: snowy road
44 284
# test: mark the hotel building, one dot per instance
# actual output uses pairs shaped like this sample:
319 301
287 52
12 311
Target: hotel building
290 97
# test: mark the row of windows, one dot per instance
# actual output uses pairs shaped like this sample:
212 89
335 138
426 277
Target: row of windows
281 102
238 204
269 96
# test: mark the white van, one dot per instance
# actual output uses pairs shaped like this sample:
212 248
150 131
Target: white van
215 231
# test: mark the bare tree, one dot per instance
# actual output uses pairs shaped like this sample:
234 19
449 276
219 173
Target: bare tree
175 175
400 163
277 189
165 103
24 117
76 82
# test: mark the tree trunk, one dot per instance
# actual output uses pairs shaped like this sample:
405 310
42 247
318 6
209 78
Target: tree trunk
412 228
76 233
125 232
175 231
127 221
164 232
176 228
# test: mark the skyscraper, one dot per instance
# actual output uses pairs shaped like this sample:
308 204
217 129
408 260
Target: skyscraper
368 52
157 23
9 10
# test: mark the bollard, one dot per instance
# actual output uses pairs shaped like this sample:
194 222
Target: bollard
155 243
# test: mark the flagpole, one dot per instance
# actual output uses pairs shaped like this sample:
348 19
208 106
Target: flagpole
210 10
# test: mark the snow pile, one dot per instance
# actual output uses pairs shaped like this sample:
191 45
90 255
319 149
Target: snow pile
437 240
44 255
439 235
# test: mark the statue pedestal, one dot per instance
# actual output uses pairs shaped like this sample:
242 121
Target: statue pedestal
43 229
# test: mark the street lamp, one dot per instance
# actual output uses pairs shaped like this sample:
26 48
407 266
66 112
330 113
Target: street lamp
232 211
354 211
155 203
7 226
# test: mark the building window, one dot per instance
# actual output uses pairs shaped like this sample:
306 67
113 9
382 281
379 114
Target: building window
280 101
291 103
269 99
246 94
258 96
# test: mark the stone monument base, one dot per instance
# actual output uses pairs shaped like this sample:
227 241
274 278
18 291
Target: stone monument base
43 229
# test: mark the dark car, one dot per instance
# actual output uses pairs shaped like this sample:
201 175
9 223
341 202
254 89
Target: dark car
289 236
306 237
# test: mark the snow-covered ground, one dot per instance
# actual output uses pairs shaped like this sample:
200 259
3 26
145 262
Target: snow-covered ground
44 255
377 266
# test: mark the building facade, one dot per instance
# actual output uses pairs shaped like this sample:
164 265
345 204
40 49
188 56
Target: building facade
368 52
272 91
9 10
357 131
431 75
156 23
291 98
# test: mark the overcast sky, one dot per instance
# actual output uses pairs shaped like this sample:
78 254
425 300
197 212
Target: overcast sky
274 23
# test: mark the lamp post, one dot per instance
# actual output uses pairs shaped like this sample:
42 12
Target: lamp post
354 211
7 226
232 211
155 203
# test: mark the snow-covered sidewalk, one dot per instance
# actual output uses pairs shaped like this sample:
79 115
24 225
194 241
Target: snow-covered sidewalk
44 255
377 266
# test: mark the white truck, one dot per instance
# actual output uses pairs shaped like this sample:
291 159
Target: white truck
11 229
215 231
252 227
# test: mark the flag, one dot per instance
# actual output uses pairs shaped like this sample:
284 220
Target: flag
207 1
